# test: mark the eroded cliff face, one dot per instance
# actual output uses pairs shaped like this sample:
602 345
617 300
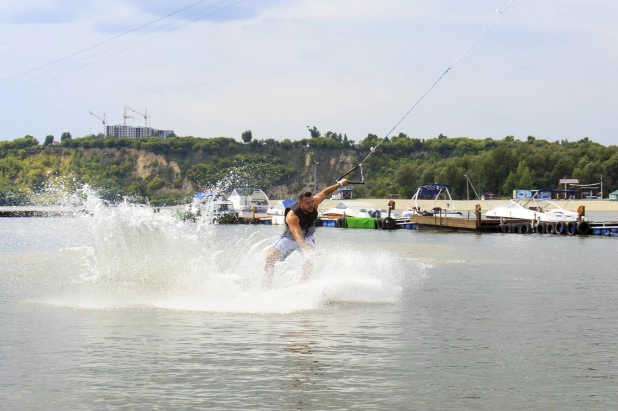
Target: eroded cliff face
148 163
142 172
330 161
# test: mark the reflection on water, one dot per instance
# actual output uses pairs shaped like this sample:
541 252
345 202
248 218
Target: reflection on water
302 365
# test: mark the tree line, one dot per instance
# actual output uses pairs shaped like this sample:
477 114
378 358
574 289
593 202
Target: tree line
282 168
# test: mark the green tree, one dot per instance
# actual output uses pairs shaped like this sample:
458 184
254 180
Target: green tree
315 133
520 179
510 184
134 188
65 136
247 136
334 136
156 184
525 180
371 140
406 177
48 140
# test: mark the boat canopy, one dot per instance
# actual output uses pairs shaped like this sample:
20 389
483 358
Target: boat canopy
431 189
287 203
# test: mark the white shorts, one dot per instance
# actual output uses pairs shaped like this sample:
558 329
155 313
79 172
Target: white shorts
287 246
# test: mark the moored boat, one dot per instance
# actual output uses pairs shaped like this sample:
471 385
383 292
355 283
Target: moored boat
438 191
532 209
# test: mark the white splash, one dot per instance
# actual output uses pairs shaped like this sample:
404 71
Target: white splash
139 258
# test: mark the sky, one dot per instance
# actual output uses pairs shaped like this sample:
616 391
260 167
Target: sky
546 68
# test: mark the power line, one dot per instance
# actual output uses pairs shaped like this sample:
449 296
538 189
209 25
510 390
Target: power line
106 41
128 41
115 46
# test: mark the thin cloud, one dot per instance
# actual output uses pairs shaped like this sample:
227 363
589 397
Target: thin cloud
120 15
43 12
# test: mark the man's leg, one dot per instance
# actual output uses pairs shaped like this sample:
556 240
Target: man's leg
272 257
307 267
308 256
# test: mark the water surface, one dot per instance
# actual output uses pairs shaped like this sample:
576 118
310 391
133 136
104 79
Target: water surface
130 310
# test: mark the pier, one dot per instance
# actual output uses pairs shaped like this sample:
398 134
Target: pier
442 223
416 222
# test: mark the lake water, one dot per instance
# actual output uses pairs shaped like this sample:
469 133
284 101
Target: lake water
133 310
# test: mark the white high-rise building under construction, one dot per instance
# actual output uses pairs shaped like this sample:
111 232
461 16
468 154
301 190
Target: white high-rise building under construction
123 130
136 132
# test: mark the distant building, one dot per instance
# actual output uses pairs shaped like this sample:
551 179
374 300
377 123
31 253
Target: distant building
345 193
487 196
136 132
577 190
244 199
567 181
613 196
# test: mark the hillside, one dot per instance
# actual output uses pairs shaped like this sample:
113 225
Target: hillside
168 171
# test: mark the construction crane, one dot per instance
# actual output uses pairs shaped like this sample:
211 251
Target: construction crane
125 117
103 120
145 114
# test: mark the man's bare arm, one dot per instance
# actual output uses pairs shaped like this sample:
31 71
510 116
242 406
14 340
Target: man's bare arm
322 195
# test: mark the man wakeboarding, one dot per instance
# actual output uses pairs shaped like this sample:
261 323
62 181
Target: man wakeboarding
299 224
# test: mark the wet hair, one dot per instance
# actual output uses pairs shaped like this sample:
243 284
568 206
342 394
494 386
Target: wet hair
304 194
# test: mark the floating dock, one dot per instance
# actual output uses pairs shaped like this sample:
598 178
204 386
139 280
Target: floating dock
415 222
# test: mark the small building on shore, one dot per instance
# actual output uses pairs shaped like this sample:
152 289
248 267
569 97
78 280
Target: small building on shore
244 199
345 193
488 196
613 196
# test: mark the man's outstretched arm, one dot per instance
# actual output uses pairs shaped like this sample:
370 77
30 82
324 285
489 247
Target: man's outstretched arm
324 194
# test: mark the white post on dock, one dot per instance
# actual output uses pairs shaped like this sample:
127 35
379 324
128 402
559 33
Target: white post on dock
533 219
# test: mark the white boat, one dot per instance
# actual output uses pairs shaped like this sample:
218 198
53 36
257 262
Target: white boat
432 189
211 205
532 209
244 199
352 208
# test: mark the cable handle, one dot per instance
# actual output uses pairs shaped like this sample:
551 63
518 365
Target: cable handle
350 172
